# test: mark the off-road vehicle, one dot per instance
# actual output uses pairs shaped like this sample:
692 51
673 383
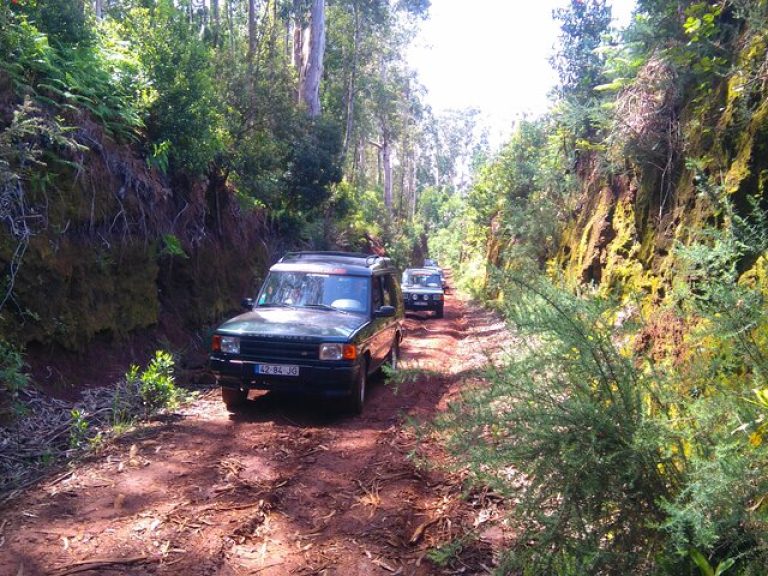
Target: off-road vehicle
321 324
423 290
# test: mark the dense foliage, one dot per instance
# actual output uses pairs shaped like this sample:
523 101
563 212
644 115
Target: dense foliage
156 155
143 144
624 237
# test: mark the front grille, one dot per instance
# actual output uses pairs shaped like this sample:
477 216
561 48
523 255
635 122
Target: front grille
421 297
277 351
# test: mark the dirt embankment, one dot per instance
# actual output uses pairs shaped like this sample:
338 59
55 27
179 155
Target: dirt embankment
283 487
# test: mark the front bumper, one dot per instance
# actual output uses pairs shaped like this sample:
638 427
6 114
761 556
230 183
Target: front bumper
333 380
423 304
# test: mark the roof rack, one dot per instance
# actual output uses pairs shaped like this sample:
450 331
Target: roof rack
369 258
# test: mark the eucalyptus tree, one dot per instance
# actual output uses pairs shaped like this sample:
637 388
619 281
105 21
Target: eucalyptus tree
579 64
371 92
309 91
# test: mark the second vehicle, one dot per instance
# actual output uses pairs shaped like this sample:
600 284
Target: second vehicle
423 290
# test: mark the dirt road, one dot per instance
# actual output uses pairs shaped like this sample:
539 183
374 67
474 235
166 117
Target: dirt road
284 487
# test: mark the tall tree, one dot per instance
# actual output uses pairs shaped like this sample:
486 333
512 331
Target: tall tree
579 66
351 87
216 21
251 30
309 90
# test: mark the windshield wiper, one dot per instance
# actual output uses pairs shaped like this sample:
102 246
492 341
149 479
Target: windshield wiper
276 305
321 306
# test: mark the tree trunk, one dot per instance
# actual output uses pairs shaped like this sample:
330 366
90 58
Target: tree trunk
251 30
216 21
98 9
287 39
351 85
298 46
231 25
386 164
412 186
436 171
310 90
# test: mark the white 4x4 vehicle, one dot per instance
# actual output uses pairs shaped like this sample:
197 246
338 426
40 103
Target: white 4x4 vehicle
423 290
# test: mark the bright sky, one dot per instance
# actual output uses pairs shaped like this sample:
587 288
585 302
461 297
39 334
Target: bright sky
492 55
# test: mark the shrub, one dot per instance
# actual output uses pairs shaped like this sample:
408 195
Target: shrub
183 112
621 463
12 378
78 428
720 509
566 419
155 386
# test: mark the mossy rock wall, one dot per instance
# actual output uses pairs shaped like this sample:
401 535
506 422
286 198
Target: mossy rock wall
69 291
623 236
98 265
210 283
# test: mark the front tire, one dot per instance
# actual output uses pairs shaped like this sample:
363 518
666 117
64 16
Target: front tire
233 398
394 356
357 400
439 312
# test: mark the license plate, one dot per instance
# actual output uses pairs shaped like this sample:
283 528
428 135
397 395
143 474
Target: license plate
277 369
420 303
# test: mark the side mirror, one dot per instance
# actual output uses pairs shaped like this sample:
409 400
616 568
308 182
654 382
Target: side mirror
247 303
385 312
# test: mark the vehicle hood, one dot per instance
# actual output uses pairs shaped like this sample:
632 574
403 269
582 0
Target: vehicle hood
298 322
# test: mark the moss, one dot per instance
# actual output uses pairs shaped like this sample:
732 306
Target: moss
757 276
210 284
580 256
70 291
747 171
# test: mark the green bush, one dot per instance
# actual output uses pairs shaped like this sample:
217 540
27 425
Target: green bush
12 377
180 102
621 463
156 384
78 428
719 510
97 77
566 420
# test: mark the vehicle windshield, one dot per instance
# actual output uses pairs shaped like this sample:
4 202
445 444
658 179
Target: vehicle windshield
421 280
312 290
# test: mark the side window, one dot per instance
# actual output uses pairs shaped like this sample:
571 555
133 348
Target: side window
376 292
385 286
390 290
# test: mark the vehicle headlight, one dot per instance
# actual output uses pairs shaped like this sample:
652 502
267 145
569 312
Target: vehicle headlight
230 344
333 351
438 296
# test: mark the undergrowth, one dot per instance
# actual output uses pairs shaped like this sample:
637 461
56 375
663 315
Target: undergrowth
44 431
13 380
138 396
619 462
97 77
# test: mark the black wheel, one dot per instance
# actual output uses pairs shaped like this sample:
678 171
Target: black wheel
233 398
357 400
439 312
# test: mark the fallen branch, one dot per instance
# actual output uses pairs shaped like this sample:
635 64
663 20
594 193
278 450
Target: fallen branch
420 529
98 563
